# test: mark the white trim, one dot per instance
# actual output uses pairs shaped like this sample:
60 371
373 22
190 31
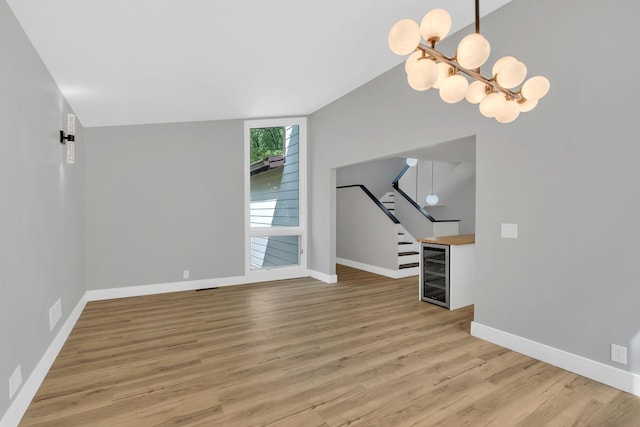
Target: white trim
324 277
393 274
162 288
26 394
192 285
606 374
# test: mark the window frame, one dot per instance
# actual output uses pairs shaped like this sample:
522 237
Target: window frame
280 272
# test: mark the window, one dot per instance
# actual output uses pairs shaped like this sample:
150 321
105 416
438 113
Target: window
275 194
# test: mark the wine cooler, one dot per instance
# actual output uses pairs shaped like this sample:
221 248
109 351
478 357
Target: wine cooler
434 274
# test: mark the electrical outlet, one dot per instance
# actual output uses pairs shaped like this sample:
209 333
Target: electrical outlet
15 381
55 312
619 353
185 274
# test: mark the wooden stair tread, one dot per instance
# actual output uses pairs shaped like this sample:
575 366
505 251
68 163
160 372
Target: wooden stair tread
408 253
410 265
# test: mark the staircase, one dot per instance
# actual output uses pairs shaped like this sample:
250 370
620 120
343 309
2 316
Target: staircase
388 200
408 248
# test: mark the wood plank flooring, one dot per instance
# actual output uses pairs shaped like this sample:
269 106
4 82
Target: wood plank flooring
363 352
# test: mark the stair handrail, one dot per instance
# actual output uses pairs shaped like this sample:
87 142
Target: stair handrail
422 210
375 200
400 175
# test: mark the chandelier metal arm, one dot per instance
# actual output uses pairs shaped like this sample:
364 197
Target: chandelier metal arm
471 73
503 95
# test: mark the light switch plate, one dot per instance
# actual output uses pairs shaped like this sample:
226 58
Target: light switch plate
619 353
509 231
55 312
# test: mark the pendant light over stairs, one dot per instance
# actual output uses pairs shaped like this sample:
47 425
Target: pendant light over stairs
432 198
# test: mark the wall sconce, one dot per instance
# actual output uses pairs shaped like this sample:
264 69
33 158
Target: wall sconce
70 138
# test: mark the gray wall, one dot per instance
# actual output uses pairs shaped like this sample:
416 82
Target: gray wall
376 175
364 232
571 280
161 199
41 207
418 225
455 185
456 189
459 205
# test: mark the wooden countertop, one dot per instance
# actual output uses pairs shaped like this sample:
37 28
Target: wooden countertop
460 239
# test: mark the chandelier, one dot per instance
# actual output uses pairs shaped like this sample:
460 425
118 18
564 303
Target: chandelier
498 96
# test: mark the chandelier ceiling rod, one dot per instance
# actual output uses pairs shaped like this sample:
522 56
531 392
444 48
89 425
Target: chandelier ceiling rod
432 168
477 16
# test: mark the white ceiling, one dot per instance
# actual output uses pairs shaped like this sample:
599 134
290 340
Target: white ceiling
153 61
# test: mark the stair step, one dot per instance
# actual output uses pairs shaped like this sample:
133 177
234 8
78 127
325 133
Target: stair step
405 243
408 253
413 264
400 234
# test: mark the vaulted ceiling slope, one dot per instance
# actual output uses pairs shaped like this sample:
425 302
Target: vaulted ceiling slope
153 61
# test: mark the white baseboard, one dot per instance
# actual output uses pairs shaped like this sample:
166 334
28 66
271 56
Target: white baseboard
606 374
266 275
323 277
393 274
26 394
162 288
407 272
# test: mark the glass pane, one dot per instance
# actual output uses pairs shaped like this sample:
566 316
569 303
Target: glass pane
434 255
435 293
274 251
274 176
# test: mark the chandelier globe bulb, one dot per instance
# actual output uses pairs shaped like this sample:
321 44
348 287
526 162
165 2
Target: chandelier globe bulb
404 37
453 89
435 25
473 51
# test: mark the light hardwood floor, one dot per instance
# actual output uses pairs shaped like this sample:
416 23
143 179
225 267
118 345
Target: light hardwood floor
363 352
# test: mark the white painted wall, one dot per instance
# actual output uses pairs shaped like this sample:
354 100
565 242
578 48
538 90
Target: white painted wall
417 224
410 182
456 189
376 175
365 234
455 185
